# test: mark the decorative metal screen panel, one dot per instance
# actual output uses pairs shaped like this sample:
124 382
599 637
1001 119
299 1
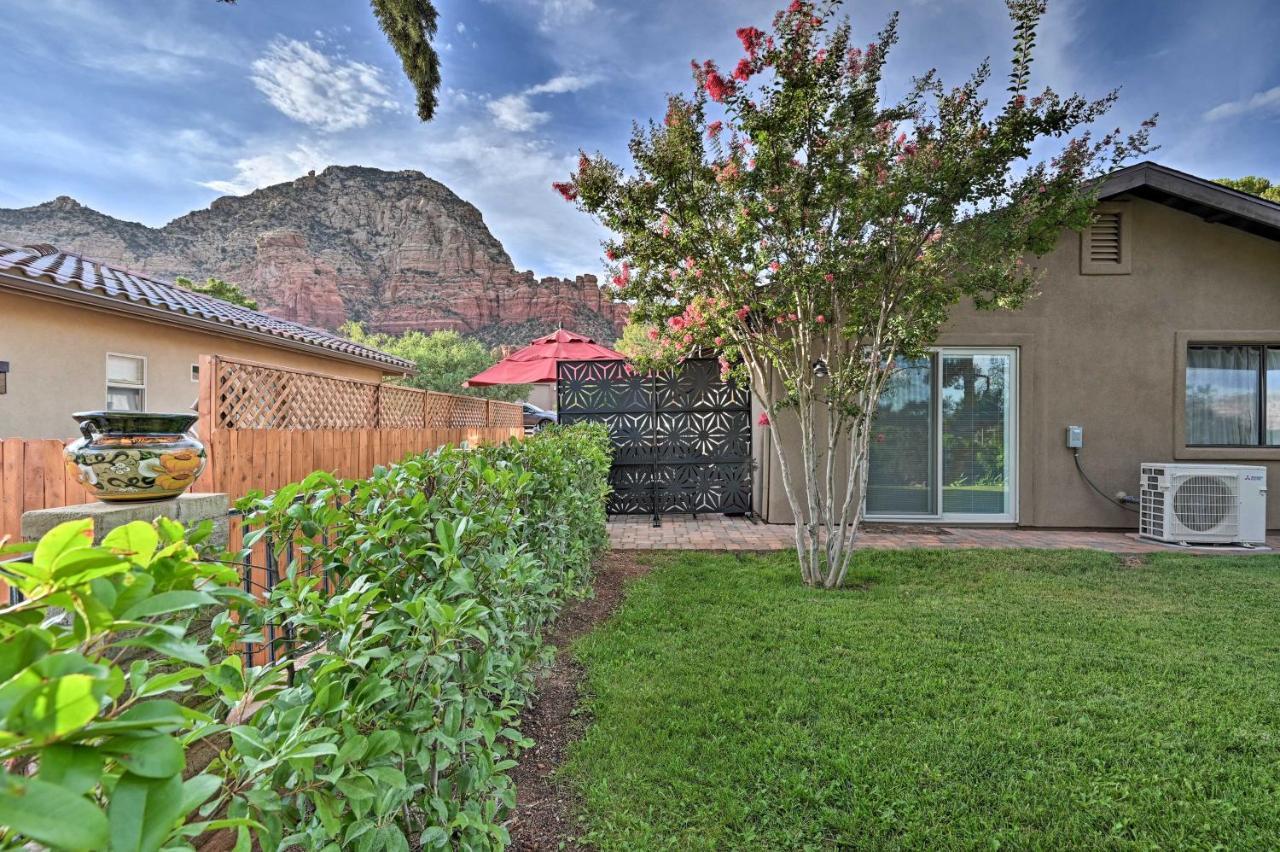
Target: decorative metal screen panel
681 438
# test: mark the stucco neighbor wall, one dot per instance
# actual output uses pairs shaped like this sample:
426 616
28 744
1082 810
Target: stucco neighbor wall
1107 352
57 362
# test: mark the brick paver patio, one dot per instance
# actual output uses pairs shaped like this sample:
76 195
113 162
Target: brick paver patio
719 532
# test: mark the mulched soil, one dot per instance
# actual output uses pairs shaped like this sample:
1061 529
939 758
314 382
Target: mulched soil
544 817
902 529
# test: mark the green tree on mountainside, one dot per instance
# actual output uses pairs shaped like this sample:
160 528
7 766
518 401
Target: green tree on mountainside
445 359
218 289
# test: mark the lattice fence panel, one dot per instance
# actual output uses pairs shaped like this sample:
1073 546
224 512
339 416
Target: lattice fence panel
400 407
469 411
252 397
245 395
255 396
322 402
437 412
505 414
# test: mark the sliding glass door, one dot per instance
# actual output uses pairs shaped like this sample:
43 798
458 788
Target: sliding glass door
943 442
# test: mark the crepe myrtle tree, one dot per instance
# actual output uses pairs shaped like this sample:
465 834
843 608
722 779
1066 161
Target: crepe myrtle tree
812 235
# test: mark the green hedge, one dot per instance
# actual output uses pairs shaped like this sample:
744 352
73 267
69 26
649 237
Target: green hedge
397 728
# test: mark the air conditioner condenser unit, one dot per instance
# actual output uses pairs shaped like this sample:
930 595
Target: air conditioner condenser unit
1203 503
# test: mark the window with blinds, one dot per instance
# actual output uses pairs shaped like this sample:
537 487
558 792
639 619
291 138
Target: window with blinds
126 382
1104 244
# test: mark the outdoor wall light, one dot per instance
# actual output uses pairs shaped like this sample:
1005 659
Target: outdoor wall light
820 368
4 376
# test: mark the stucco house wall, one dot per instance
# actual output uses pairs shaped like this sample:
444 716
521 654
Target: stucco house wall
1108 352
57 362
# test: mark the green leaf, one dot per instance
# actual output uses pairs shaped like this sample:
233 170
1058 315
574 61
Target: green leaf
142 812
167 602
168 682
137 540
64 538
76 567
156 716
149 757
315 750
51 814
357 788
57 707
75 768
22 649
197 790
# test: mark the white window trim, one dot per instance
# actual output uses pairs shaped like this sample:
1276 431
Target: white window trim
1012 444
110 384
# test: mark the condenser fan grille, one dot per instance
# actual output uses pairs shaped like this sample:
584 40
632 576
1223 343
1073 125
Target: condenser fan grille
1202 503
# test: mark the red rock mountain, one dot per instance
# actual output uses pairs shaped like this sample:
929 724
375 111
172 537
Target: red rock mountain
395 250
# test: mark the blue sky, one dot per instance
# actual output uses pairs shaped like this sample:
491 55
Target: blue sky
145 109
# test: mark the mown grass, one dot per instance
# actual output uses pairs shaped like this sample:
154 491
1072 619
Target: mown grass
1023 699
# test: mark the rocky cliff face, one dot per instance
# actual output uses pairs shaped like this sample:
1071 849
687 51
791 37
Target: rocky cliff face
395 250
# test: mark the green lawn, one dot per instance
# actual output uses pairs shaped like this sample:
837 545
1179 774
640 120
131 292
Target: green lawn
949 700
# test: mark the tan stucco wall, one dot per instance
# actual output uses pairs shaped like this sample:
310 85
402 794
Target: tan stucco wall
1107 352
57 362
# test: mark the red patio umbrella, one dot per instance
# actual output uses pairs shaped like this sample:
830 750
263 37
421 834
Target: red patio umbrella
537 361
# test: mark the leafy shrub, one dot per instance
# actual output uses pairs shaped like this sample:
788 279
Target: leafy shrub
424 603
92 740
414 602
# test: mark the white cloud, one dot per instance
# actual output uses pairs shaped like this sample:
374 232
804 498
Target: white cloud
165 45
513 112
516 112
557 13
1261 101
462 28
271 167
328 93
563 83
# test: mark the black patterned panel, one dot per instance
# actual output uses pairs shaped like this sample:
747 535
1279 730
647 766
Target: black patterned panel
631 434
602 387
696 386
681 439
703 436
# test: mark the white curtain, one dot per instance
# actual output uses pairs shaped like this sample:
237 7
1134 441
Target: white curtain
1222 395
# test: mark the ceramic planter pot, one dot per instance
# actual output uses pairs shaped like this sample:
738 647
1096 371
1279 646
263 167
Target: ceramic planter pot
133 456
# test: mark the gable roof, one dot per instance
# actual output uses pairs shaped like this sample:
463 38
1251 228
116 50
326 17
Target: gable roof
46 271
1211 201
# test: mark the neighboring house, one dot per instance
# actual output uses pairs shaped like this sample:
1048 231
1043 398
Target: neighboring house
78 335
1157 330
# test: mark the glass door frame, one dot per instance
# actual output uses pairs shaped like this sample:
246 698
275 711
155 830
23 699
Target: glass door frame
1012 454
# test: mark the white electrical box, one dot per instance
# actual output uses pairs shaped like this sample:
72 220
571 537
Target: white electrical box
1075 437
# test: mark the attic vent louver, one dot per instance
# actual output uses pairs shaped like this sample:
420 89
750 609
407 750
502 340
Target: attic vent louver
1104 245
1104 239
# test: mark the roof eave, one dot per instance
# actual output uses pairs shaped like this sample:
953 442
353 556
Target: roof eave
1211 201
107 304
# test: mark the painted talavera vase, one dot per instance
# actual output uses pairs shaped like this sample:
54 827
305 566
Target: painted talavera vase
134 456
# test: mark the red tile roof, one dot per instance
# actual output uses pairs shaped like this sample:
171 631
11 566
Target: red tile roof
58 271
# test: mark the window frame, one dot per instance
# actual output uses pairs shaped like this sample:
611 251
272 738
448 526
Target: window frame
1182 341
109 384
1012 440
1261 391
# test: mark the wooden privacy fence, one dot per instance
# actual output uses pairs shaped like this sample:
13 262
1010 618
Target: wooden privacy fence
265 427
